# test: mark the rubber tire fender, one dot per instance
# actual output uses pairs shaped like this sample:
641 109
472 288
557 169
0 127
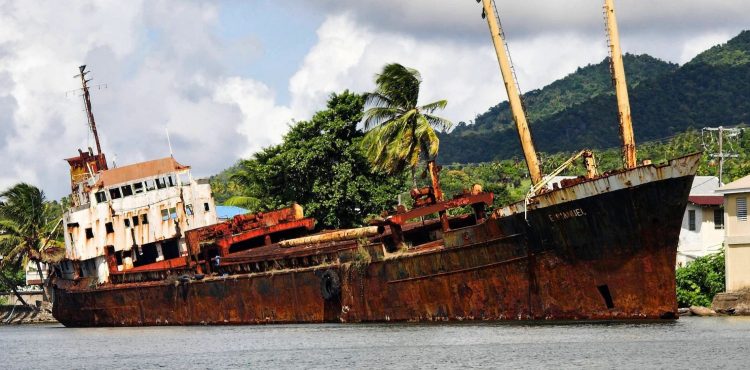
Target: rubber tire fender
330 285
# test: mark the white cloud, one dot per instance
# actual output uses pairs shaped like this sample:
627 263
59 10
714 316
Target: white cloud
348 55
263 122
164 66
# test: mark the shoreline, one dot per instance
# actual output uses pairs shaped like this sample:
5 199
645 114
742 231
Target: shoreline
21 315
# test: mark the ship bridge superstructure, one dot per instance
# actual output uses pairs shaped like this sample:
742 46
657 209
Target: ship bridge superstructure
136 215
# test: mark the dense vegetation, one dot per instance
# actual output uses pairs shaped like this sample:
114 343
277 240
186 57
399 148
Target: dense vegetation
711 89
319 165
576 88
27 233
700 280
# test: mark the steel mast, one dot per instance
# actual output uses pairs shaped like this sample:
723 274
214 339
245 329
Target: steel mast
514 97
87 102
621 87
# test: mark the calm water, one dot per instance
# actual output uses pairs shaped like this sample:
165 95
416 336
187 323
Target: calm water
686 343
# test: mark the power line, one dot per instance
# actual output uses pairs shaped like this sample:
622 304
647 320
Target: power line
730 133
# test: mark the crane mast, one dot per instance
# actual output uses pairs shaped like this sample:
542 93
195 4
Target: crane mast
621 87
514 97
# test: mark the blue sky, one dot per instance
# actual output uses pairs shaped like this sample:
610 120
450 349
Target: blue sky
285 34
228 77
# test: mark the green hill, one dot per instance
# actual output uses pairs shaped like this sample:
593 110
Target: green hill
579 111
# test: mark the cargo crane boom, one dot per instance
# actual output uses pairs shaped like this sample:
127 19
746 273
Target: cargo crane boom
621 86
514 97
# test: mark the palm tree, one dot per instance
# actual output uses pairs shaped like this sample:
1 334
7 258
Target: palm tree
400 132
27 221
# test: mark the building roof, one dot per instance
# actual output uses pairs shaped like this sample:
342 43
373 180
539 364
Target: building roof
140 170
738 186
704 185
706 200
227 212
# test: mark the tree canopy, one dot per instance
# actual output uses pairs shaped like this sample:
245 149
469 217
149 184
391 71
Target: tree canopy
320 165
401 132
27 221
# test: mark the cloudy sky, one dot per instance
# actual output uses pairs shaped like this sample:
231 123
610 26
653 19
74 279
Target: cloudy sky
226 78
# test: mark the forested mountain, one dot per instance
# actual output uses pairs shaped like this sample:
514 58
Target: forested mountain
580 110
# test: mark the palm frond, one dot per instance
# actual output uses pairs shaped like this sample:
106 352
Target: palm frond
431 107
14 254
427 138
438 122
376 99
377 116
250 203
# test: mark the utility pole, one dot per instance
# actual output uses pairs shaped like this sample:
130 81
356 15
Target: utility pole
731 133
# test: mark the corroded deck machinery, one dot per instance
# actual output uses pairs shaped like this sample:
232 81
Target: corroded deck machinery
144 246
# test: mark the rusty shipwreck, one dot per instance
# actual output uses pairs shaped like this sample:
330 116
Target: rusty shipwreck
144 246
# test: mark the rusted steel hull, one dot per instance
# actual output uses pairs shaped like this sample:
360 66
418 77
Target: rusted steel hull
606 255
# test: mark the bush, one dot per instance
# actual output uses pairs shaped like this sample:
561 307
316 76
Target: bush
700 280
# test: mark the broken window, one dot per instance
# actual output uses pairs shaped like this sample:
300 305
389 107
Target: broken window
127 191
144 219
172 180
127 222
150 185
173 213
691 220
742 209
89 233
138 187
189 209
718 218
160 184
109 228
164 215
135 220
100 196
114 193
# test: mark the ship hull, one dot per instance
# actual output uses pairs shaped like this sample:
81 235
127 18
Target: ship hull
596 251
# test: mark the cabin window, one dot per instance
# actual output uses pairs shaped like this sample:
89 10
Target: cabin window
144 219
114 193
109 228
205 207
160 184
718 218
691 220
127 222
100 196
150 185
138 187
164 215
89 233
135 220
189 209
127 191
742 209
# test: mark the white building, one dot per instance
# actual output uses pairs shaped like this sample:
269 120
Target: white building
703 223
737 257
134 215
